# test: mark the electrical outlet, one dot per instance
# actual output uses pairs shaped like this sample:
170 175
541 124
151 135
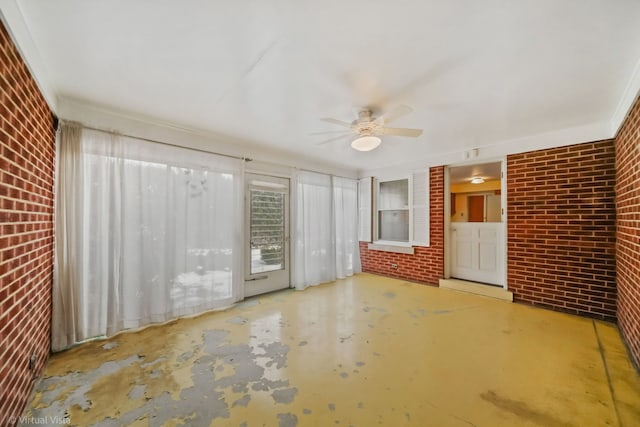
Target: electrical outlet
32 361
394 266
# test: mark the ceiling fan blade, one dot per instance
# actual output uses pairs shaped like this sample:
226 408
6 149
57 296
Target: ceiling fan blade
334 139
402 132
396 113
329 132
336 122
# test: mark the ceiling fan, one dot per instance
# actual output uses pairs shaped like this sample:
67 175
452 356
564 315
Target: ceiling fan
369 128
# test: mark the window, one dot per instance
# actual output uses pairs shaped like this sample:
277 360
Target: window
393 211
398 208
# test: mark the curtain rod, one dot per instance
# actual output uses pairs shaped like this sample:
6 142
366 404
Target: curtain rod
246 159
301 169
325 173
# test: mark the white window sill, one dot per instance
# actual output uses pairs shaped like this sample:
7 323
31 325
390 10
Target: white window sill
397 247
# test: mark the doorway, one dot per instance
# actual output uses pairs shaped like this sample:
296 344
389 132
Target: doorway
267 225
476 226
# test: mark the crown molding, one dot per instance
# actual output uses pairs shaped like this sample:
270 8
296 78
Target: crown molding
13 19
628 98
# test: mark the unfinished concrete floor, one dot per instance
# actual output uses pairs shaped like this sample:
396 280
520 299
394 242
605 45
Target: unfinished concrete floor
359 352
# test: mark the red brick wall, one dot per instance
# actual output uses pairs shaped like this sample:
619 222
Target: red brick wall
426 265
561 228
27 149
628 231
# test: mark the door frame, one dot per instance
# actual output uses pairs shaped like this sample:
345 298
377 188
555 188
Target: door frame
447 214
253 284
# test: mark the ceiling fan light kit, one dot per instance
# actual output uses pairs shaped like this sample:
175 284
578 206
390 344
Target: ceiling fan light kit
366 143
369 129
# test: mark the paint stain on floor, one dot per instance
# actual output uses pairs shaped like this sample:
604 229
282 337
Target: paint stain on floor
348 354
523 411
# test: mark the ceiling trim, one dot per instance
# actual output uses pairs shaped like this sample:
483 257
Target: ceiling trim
498 150
628 98
13 19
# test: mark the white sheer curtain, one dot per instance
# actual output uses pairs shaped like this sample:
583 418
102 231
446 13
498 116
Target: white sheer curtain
345 212
325 229
144 233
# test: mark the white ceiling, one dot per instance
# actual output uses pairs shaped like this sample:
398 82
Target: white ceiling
266 71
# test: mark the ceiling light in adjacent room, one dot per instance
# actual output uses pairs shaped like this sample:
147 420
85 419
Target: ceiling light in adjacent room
366 143
477 180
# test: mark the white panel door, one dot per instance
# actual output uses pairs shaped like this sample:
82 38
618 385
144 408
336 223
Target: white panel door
477 252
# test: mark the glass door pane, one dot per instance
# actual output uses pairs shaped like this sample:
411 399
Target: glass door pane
267 231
